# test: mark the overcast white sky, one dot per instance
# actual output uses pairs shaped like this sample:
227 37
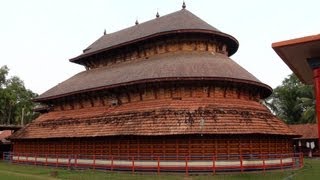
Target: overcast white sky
38 37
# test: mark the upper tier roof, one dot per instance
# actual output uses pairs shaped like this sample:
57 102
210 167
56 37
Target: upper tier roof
164 67
181 21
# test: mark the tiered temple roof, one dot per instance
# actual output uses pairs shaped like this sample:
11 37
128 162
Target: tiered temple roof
227 99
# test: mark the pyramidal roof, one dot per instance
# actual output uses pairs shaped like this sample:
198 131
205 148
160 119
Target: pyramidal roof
165 67
182 21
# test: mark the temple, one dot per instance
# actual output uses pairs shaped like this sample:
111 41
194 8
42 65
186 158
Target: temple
164 88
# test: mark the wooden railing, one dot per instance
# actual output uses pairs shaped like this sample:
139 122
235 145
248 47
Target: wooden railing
184 164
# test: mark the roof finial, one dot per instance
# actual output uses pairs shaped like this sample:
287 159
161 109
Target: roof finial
157 15
104 32
137 22
184 5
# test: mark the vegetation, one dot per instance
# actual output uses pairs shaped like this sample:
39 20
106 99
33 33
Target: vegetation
15 99
310 171
293 101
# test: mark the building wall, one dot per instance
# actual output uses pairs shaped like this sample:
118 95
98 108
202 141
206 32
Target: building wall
144 50
300 146
157 92
171 146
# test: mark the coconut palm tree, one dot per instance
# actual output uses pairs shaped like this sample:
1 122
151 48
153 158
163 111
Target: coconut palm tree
307 101
293 101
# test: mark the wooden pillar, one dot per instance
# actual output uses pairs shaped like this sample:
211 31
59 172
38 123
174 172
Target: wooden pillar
128 147
118 147
177 148
276 144
251 146
55 148
202 148
316 76
163 147
94 143
228 147
72 146
260 145
86 147
138 139
189 146
268 145
151 144
240 146
314 63
109 148
215 146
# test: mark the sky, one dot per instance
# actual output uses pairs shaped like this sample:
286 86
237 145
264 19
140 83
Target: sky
38 37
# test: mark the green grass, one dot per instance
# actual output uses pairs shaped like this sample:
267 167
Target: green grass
9 171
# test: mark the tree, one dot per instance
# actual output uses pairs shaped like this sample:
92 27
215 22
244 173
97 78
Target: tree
15 100
293 101
308 104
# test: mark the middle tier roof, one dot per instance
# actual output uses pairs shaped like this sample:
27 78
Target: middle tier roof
165 67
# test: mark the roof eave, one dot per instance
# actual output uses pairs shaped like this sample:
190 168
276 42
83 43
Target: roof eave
305 47
294 136
268 89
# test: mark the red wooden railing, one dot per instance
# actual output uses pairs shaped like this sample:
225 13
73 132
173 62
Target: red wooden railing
185 164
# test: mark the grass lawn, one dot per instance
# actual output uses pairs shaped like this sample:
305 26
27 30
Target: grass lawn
9 171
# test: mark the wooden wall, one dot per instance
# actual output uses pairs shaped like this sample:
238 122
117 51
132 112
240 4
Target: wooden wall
145 50
173 146
151 93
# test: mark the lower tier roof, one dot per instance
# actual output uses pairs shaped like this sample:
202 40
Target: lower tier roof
161 117
308 131
165 67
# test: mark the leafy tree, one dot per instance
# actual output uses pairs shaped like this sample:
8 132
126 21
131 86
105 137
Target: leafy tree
15 100
293 101
308 104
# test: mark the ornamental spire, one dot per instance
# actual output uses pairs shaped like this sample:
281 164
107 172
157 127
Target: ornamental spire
104 32
157 15
137 22
184 5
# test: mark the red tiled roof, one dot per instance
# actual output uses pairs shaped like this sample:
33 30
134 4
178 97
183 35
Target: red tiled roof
308 131
178 22
161 117
4 134
170 66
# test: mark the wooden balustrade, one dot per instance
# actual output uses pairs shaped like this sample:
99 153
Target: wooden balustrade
185 164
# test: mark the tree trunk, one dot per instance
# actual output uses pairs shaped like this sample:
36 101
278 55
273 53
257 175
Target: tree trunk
9 115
